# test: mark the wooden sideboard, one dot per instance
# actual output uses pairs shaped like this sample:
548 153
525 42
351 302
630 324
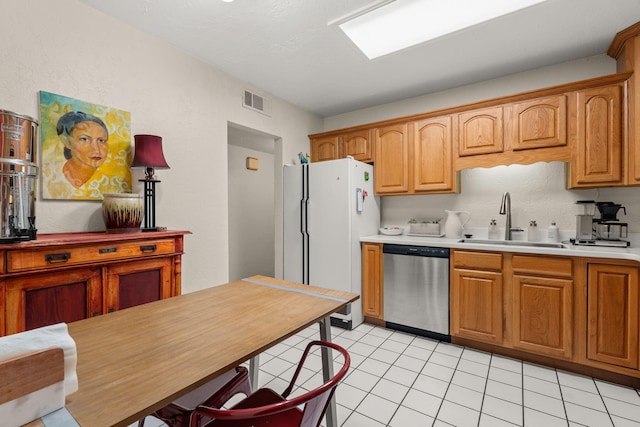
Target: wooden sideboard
72 276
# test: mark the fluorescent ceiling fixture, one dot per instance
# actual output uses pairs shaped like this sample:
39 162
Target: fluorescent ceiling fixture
400 24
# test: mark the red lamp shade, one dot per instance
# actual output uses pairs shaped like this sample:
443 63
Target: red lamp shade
148 152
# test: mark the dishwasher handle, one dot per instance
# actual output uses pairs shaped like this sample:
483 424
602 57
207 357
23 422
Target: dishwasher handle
424 251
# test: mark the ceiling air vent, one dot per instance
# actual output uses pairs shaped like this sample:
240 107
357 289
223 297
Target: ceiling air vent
256 102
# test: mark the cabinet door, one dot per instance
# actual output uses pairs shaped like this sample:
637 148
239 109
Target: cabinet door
433 168
540 123
372 302
392 160
326 148
598 159
476 305
134 283
45 299
542 315
612 315
359 145
481 132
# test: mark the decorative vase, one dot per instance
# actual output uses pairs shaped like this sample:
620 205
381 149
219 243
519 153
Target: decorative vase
122 212
454 225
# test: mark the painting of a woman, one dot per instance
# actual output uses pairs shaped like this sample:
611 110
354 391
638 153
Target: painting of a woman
85 149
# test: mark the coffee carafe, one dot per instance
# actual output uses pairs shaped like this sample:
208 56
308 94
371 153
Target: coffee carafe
607 227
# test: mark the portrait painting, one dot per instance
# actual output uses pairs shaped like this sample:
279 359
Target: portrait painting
85 149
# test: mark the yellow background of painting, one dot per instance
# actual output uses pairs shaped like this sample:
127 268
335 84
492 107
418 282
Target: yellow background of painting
113 176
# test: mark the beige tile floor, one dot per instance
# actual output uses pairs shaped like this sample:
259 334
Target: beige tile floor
401 380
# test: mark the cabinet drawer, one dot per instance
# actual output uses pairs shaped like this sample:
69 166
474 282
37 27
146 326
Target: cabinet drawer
543 266
478 260
36 259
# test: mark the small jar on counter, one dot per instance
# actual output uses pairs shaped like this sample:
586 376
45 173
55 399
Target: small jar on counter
553 234
532 232
494 233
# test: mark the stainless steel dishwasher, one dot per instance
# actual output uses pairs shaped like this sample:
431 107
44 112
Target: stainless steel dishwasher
416 290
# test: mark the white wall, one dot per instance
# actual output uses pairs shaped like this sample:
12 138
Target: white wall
537 191
67 48
251 213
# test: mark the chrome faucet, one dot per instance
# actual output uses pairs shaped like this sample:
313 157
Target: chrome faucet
505 209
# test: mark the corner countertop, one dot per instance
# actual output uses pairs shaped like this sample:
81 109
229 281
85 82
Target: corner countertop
631 253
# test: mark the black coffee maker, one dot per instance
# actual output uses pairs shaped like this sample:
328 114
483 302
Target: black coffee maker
607 227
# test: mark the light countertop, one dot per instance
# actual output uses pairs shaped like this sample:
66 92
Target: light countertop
631 253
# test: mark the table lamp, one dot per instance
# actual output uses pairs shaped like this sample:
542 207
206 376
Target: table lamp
149 155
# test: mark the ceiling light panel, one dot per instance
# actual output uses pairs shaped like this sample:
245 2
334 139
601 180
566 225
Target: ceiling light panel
403 23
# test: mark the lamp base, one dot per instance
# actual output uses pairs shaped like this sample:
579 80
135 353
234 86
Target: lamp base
158 228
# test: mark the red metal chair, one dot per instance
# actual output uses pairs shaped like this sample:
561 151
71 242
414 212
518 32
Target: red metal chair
265 407
214 393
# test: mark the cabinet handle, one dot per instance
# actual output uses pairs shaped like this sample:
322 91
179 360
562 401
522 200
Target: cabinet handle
148 248
95 314
107 250
57 258
111 310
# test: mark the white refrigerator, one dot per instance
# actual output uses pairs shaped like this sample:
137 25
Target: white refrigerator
328 206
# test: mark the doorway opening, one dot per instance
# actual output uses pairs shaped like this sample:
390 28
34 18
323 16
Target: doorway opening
252 170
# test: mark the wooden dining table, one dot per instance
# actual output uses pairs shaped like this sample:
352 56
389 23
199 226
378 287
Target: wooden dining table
134 361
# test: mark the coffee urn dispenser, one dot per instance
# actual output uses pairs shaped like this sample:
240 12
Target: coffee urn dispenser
18 173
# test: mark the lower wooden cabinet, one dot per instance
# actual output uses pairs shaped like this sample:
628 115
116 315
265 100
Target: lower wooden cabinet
542 292
372 278
69 277
139 282
477 296
612 315
48 298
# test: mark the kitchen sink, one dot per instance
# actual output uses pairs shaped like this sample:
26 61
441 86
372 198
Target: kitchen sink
514 243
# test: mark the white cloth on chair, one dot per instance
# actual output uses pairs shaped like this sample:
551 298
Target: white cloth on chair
41 402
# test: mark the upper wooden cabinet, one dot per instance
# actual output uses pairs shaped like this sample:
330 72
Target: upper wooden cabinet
480 132
539 123
359 145
592 125
625 48
392 168
598 136
325 148
432 155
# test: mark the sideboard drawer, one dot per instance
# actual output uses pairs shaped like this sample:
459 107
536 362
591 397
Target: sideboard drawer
38 259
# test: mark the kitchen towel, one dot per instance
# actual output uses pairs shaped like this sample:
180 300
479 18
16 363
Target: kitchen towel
34 405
